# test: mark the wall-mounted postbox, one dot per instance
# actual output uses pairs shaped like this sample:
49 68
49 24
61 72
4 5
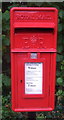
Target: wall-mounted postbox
33 58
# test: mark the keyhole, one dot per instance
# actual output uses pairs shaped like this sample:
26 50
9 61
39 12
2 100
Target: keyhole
21 81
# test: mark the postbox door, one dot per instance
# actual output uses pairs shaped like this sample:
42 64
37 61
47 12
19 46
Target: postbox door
28 99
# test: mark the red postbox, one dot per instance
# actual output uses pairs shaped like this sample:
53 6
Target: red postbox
33 58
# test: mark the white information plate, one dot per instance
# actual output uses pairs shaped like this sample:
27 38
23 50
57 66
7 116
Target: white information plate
33 77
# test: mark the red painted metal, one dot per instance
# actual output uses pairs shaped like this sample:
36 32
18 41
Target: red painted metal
33 30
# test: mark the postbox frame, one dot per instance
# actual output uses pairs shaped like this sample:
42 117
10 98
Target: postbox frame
52 52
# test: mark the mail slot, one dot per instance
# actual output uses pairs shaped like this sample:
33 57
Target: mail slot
33 58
